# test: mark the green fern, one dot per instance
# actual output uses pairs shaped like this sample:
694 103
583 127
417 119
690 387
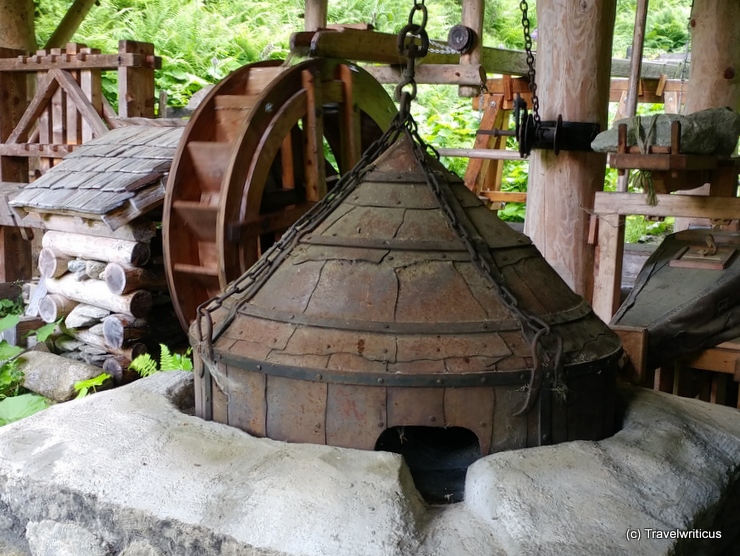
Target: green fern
144 365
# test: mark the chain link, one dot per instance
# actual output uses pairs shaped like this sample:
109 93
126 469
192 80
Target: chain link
530 63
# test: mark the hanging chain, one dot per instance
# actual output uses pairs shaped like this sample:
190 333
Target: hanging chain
530 63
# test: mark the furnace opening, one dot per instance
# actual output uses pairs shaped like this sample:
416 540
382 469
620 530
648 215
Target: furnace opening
437 457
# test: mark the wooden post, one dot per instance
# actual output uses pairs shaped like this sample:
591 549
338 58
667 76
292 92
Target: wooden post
715 61
17 28
715 55
13 92
315 16
136 85
15 252
472 16
573 66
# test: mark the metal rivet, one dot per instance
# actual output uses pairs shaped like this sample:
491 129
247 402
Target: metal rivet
545 437
432 418
482 424
268 107
440 381
381 424
380 381
482 380
292 316
318 376
259 367
386 326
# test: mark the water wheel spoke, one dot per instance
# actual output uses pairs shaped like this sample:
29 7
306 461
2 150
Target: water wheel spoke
252 162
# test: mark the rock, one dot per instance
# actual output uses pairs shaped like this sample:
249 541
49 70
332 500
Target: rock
84 315
50 538
94 269
52 375
713 131
150 479
140 548
76 265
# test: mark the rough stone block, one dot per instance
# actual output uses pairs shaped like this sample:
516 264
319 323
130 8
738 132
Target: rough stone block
713 131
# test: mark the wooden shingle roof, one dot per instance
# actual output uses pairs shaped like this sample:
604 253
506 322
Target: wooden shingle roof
114 178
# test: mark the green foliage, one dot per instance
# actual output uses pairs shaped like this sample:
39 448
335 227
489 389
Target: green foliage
145 365
11 378
42 334
640 230
11 306
18 407
83 387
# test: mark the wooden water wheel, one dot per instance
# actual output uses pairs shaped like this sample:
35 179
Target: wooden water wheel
252 161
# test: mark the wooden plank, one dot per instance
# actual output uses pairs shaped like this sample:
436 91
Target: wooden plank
608 267
635 344
504 196
30 150
95 61
492 119
296 410
509 431
356 415
91 85
723 208
313 138
247 406
350 127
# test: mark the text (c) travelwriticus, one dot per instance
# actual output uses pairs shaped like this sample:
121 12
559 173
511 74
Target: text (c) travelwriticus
649 533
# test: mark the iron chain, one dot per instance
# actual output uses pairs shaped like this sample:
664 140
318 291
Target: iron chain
530 63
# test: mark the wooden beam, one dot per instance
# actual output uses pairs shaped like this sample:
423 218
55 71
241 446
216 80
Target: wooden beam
69 24
45 62
433 74
692 206
44 92
381 48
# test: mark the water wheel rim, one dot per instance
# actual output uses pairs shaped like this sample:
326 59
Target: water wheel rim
242 187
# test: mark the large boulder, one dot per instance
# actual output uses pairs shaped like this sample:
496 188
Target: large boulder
129 472
713 131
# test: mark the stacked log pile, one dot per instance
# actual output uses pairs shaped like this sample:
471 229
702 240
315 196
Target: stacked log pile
110 297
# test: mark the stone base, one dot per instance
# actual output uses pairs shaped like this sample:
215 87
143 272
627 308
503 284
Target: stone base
126 472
